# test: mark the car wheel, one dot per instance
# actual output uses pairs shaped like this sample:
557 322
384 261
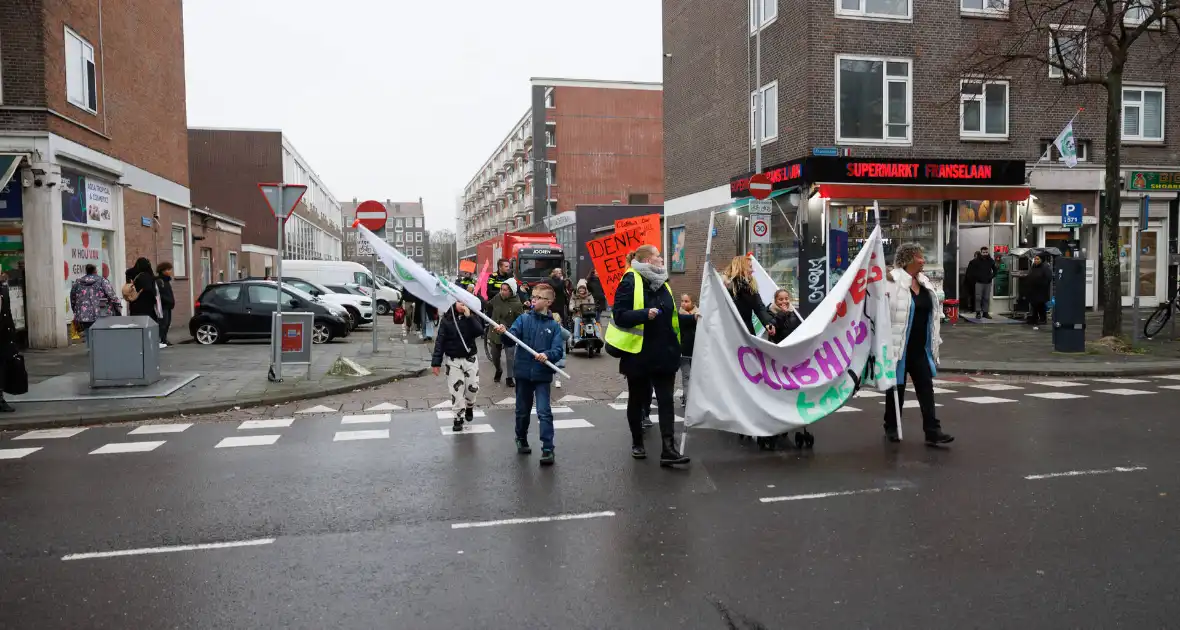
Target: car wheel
321 333
354 318
208 334
382 307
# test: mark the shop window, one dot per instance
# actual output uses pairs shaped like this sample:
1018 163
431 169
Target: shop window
1067 49
81 79
768 113
762 13
901 9
983 109
874 100
178 250
1143 114
984 7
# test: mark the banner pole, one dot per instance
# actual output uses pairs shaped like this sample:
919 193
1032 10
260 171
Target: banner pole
897 411
512 337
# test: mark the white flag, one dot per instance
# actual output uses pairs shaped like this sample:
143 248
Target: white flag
766 287
1066 146
438 292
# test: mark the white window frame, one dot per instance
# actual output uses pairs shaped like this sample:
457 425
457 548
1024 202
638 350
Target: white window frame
986 11
863 14
1049 150
232 260
982 100
417 237
397 224
909 80
80 65
1163 114
1146 5
1054 72
178 267
760 96
551 135
418 222
767 17
550 100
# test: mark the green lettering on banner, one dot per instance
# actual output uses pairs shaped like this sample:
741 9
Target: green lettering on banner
404 274
829 401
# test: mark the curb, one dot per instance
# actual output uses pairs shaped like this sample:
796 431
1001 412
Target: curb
172 411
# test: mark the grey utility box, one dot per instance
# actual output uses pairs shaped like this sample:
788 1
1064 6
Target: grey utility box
124 352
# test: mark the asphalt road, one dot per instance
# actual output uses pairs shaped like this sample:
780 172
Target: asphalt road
1045 513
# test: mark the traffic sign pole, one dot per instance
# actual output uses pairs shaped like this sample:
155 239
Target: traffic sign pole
375 318
372 215
282 199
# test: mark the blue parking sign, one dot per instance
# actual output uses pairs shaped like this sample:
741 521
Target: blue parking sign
1071 214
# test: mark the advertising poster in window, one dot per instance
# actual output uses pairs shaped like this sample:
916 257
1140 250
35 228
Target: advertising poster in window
98 204
73 196
11 199
678 259
85 246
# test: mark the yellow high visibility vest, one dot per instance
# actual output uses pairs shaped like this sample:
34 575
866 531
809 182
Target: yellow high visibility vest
630 340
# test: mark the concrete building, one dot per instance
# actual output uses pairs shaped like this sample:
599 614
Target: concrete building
405 229
226 167
580 142
93 151
852 90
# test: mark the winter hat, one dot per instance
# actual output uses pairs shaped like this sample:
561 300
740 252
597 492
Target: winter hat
582 284
511 282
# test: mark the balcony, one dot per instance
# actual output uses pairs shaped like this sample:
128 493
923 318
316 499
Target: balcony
517 148
528 140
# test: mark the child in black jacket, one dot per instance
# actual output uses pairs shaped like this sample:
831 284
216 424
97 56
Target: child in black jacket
785 319
457 349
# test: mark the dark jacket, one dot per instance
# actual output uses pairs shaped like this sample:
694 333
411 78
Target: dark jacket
785 323
493 285
748 302
455 330
167 298
505 312
688 333
541 333
145 283
594 286
1037 284
981 269
660 353
8 347
561 297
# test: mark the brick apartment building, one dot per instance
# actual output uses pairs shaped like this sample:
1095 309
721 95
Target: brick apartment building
580 142
405 229
93 151
226 166
854 85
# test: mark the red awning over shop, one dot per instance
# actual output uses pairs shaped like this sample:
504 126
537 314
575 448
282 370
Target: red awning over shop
922 193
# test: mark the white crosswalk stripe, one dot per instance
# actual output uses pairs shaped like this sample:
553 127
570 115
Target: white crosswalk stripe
1170 387
274 423
996 387
985 400
371 434
150 429
450 415
1123 392
576 423
127 447
1171 377
1056 395
317 409
385 407
1120 381
49 434
1059 384
248 440
370 418
912 404
471 428
17 453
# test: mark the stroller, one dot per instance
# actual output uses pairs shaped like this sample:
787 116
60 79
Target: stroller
587 333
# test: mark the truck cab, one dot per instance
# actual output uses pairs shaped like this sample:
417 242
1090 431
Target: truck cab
533 264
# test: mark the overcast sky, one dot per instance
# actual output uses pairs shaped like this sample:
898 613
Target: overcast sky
393 99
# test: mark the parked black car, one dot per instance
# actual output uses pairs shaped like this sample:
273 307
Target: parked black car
245 309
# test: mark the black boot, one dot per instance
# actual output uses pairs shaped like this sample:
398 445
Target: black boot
670 456
469 414
458 425
937 438
638 452
511 382
496 378
5 407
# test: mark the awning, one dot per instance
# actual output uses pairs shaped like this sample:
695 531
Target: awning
8 164
884 192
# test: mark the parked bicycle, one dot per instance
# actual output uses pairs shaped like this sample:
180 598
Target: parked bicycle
1162 314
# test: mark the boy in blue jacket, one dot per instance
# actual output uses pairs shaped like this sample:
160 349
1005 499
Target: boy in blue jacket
538 330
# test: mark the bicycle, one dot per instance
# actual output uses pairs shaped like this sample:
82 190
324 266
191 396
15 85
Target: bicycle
1162 314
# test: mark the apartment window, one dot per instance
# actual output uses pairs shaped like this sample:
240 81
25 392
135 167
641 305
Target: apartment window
417 237
418 251
418 222
874 100
207 265
550 135
1049 150
81 80
397 237
637 199
984 7
1067 49
983 109
1139 11
549 101
875 8
1143 114
234 272
397 224
768 9
552 209
551 173
178 250
769 114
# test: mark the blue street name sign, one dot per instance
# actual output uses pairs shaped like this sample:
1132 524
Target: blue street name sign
1071 214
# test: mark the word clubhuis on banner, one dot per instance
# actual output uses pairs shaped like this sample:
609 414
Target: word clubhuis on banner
609 255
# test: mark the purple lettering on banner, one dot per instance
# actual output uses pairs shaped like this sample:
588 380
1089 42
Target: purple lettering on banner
805 374
741 356
862 332
787 380
766 375
843 352
827 361
778 376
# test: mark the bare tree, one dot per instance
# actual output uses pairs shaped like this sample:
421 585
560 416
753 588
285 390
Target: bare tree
442 254
1088 43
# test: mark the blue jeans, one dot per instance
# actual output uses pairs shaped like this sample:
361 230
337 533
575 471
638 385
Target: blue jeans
526 392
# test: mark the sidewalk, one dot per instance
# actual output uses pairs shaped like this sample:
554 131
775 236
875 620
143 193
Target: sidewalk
1018 349
232 375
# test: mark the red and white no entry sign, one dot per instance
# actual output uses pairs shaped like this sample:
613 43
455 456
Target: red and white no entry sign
372 215
760 186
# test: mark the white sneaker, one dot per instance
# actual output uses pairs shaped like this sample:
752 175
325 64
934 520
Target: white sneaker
557 383
163 345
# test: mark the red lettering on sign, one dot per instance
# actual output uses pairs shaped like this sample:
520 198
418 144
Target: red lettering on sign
959 171
875 169
784 173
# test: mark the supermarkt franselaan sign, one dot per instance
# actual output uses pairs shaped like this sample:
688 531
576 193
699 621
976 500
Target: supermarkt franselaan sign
1154 180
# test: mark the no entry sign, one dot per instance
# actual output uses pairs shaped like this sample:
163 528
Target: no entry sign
372 215
760 186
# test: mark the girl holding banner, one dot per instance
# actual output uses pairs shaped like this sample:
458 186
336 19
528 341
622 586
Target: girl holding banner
743 288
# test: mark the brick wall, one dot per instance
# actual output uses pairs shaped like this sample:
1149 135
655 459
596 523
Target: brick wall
226 167
220 243
155 243
22 64
696 233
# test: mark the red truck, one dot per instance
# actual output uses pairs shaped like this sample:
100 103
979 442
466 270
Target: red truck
533 256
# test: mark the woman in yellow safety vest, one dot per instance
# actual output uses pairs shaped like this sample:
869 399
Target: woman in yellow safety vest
645 336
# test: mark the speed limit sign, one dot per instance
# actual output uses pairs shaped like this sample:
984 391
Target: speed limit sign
759 228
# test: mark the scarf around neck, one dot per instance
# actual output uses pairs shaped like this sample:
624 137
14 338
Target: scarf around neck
655 276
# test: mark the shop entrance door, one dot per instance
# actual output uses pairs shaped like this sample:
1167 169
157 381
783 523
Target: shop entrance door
1150 273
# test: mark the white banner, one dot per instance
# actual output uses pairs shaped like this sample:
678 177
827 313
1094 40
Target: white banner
439 293
743 384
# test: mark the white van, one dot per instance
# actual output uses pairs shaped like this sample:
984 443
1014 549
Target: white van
342 272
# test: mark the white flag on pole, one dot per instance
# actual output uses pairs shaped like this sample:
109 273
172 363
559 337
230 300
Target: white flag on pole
1066 146
438 292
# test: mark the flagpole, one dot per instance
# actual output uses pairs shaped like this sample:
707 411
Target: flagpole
1049 148
520 343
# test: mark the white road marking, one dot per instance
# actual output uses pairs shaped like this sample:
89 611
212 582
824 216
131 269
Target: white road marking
277 423
824 495
385 407
1078 473
1059 384
127 447
939 381
17 453
150 550
571 398
49 434
371 434
1120 381
1123 392
507 401
535 519
471 428
1057 395
317 409
985 400
912 404
367 418
847 410
556 410
1169 386
149 429
446 404
939 390
1171 377
619 406
249 440
572 424
450 415
623 396
865 393
996 387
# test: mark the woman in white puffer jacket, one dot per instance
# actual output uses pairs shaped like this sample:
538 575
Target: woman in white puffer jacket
915 314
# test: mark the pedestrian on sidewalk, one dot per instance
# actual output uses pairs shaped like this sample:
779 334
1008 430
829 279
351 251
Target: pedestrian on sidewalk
1038 287
506 308
457 350
689 315
92 298
913 305
538 330
140 290
13 375
645 335
565 338
167 300
981 271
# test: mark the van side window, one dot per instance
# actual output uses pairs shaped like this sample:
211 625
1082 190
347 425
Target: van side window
363 279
